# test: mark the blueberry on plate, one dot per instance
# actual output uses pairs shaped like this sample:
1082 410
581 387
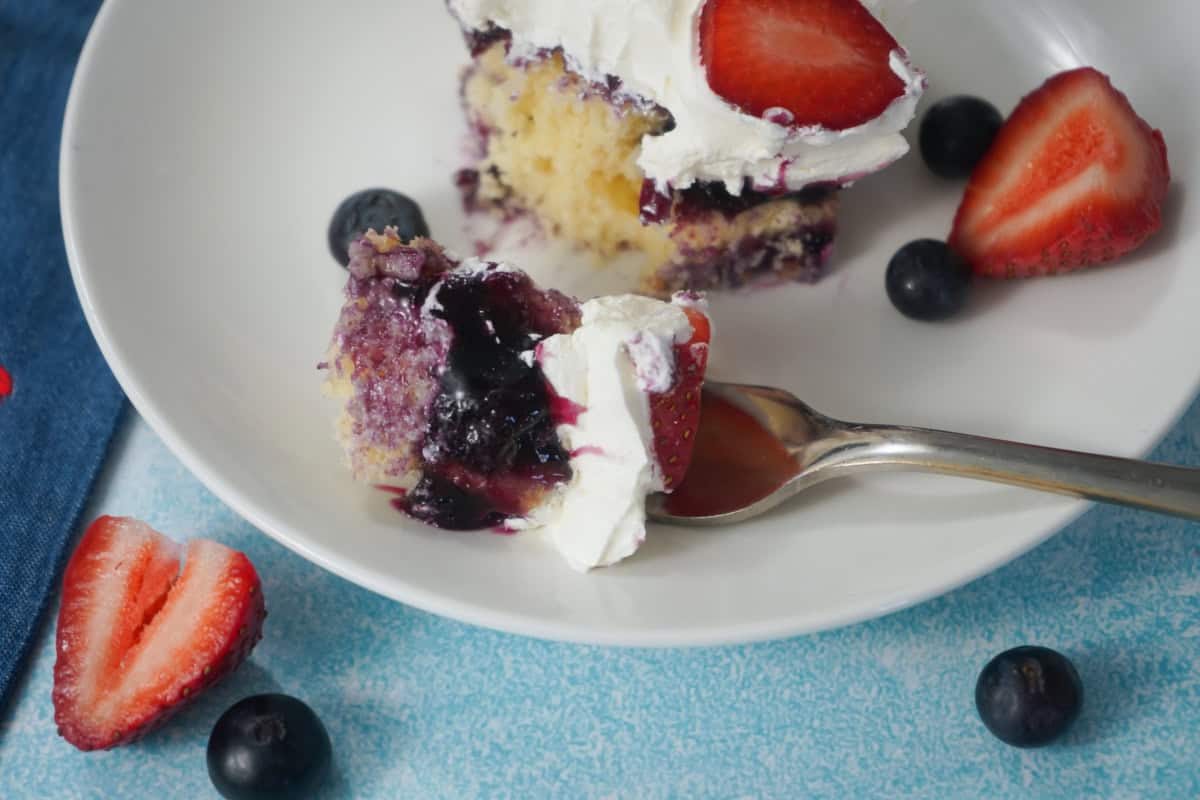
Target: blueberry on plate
1028 696
268 746
926 280
373 208
956 134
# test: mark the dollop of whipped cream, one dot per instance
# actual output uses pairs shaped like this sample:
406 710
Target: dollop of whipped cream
623 350
653 46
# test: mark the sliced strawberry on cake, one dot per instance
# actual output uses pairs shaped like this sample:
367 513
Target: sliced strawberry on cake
1074 178
495 404
709 135
815 62
137 638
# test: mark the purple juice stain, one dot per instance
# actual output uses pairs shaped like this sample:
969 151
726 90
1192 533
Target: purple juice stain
563 410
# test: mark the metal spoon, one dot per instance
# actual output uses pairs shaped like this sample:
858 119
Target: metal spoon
825 448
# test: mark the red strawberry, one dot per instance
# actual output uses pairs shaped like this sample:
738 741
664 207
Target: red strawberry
1074 178
827 62
136 639
675 414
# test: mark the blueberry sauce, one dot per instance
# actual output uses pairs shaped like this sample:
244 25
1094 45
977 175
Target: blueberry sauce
563 410
491 445
654 205
708 197
442 503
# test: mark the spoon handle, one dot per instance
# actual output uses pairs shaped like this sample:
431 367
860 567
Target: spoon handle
1124 481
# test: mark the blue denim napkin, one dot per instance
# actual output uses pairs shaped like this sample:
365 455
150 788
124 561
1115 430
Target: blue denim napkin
56 424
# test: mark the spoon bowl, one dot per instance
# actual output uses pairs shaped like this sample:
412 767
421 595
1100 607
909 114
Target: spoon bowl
759 446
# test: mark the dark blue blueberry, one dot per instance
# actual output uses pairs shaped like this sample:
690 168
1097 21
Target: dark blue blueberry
956 134
268 746
926 280
373 208
1028 696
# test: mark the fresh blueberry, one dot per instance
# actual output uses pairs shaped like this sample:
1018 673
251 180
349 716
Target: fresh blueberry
373 208
956 134
268 746
1028 696
926 280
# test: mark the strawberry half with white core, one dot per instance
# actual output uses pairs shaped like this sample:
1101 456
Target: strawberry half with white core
634 368
825 63
137 638
1074 178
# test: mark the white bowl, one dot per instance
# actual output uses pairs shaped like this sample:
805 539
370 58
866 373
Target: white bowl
206 145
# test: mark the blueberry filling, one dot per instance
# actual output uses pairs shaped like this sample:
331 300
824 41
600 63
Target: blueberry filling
440 502
491 446
704 197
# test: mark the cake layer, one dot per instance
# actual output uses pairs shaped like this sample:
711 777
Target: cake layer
566 150
384 359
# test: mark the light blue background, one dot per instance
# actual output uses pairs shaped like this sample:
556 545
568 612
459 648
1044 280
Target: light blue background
419 706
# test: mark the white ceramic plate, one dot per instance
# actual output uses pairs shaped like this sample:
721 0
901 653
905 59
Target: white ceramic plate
207 143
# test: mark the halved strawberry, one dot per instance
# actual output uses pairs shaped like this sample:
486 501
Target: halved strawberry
1074 178
136 638
827 62
675 414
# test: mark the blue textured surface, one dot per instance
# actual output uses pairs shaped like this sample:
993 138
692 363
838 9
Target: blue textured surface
55 427
419 706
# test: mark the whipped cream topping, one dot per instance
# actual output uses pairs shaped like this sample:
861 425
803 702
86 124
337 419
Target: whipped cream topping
653 46
623 350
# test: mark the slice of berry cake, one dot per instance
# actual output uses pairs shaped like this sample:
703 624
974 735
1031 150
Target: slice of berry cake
710 135
494 404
